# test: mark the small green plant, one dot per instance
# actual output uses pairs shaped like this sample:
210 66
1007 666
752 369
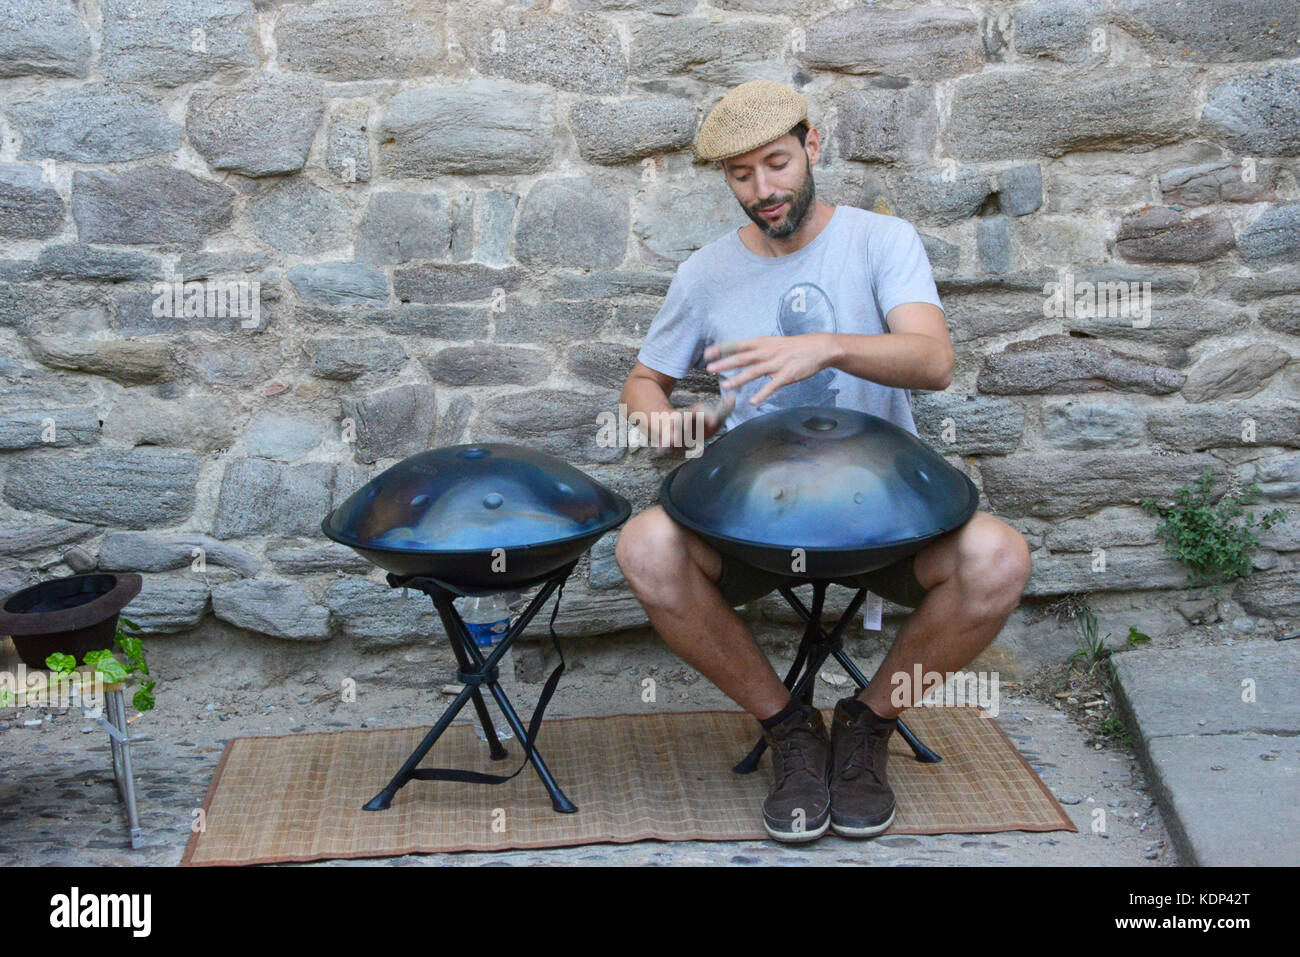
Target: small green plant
1112 726
1209 538
1090 671
105 663
1092 649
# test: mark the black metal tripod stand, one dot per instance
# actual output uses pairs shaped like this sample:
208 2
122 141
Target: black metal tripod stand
814 649
477 672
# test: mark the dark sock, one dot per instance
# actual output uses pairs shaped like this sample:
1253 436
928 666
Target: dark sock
855 708
786 712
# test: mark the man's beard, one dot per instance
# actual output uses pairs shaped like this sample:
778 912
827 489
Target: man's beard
793 218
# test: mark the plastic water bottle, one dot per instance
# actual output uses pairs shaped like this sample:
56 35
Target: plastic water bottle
487 619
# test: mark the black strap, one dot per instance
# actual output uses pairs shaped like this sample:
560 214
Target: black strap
534 724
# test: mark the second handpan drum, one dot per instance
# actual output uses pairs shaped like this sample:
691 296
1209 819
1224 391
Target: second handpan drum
484 517
852 491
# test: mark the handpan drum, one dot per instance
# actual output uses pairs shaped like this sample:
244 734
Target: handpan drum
816 492
485 517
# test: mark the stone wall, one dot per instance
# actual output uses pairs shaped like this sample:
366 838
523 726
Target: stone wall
456 221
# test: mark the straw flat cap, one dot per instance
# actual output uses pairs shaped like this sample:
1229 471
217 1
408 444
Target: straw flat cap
750 115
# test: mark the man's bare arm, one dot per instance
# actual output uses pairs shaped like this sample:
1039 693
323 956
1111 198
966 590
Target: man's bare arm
648 391
917 354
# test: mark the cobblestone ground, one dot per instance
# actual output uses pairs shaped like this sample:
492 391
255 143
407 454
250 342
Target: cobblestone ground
58 803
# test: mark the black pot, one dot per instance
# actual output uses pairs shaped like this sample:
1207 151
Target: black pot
852 492
70 615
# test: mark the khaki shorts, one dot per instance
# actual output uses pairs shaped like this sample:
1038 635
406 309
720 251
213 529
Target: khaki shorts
741 582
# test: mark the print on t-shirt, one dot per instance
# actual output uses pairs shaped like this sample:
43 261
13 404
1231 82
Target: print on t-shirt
804 308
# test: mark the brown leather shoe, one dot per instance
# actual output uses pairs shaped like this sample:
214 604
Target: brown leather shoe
798 807
862 802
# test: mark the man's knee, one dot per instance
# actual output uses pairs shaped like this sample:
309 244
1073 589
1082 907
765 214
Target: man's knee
648 545
996 566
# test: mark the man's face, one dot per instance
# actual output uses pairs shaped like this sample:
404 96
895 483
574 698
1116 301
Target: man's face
775 177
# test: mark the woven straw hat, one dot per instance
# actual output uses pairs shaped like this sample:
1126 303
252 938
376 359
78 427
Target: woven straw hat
750 115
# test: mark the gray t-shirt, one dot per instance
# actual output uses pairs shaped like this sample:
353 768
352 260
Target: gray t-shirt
861 265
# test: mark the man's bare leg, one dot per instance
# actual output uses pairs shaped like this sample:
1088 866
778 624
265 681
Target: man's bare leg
975 577
673 573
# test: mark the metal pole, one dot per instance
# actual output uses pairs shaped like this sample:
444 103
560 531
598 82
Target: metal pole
451 622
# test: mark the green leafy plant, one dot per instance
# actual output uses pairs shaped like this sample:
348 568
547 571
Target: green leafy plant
1209 538
105 663
64 664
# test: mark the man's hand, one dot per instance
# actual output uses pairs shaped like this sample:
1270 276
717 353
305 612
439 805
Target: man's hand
705 419
785 359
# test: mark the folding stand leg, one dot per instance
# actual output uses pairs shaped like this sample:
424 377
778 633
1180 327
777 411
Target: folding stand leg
475 671
487 668
496 749
814 648
384 798
559 802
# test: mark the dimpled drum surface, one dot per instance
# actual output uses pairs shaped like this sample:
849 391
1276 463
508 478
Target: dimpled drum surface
819 492
485 516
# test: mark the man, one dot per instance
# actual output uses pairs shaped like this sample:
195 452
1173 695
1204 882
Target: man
809 304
